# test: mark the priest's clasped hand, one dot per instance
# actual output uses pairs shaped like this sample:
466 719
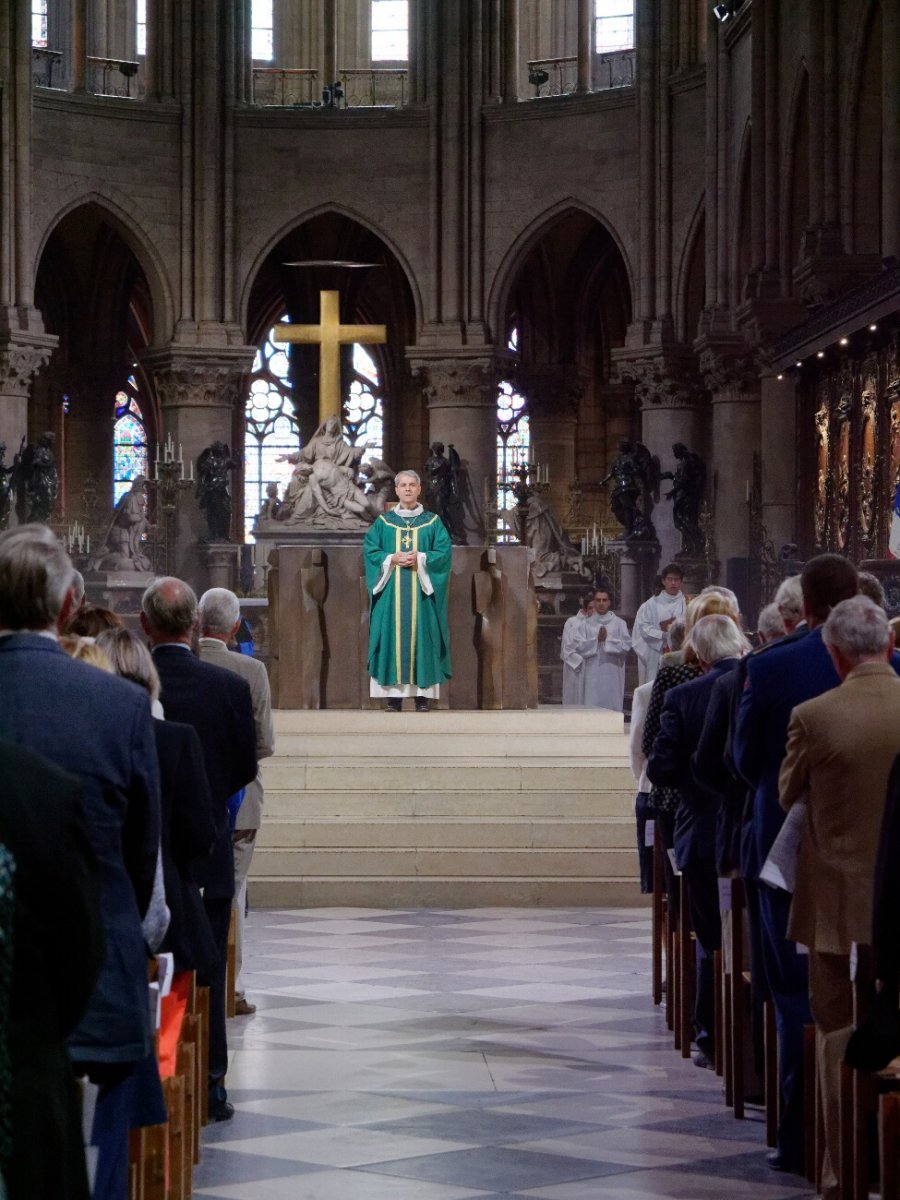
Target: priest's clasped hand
407 558
601 634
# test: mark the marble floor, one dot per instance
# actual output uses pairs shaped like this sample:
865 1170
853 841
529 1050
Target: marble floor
448 1055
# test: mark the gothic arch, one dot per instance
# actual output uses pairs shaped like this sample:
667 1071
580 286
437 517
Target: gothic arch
264 249
742 246
690 289
127 225
795 172
523 244
864 137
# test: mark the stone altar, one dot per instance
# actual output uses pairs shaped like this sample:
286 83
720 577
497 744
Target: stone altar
318 625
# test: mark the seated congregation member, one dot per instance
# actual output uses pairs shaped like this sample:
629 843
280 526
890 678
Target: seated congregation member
57 947
218 705
770 625
99 729
789 602
841 748
220 619
717 644
674 654
870 585
780 677
188 829
91 620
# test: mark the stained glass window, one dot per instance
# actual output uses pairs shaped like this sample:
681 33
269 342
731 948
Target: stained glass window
130 452
271 427
141 24
363 407
39 23
262 30
390 30
613 25
513 442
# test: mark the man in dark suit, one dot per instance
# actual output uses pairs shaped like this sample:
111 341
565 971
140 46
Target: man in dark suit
219 706
718 643
99 729
778 679
58 950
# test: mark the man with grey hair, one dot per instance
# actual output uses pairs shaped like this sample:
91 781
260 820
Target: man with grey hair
220 616
770 624
99 729
840 750
789 599
219 706
407 559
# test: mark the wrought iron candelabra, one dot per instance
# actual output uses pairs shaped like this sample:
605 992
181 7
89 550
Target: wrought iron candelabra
166 485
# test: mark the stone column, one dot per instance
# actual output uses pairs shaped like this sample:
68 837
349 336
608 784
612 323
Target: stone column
778 431
733 384
511 50
554 392
671 399
462 410
890 152
585 45
21 357
199 391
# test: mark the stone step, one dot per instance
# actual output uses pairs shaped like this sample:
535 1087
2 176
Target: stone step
448 892
447 774
486 803
471 833
420 860
427 743
555 719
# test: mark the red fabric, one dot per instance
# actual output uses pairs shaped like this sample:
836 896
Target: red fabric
173 1009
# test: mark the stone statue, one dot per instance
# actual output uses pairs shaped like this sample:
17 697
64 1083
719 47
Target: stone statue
488 586
325 489
443 491
688 488
271 506
313 589
37 479
213 468
6 486
123 549
634 473
380 485
536 525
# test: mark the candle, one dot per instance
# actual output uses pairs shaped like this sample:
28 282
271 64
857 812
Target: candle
88 544
583 545
747 490
192 470
180 456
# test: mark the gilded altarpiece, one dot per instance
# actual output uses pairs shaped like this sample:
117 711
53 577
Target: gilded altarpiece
851 461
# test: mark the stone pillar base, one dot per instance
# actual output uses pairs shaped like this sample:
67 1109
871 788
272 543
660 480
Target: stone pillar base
637 568
698 573
221 560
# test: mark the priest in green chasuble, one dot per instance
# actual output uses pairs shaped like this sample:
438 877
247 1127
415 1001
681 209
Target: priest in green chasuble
407 553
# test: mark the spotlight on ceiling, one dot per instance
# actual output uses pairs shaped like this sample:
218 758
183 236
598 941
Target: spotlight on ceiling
724 11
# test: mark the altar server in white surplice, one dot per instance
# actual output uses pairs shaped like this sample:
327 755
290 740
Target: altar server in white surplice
570 651
653 621
606 646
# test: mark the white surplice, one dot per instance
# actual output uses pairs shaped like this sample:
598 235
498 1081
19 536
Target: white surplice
573 660
604 662
647 639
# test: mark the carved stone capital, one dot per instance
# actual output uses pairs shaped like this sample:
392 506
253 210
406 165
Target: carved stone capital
663 380
458 381
195 378
21 357
552 389
728 370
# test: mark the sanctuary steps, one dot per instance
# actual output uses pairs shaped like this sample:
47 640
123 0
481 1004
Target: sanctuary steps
447 808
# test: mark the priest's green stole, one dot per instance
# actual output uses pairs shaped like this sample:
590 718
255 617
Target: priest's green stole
409 642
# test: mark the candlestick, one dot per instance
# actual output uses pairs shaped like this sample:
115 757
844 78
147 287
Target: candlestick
88 550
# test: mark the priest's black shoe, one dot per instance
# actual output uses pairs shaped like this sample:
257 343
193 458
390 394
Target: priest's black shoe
779 1161
219 1107
393 705
423 704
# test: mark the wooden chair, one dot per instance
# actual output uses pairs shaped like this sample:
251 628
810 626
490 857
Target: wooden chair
658 917
686 970
770 1082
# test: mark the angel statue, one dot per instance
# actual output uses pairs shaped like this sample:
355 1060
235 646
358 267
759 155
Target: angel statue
688 488
635 474
213 467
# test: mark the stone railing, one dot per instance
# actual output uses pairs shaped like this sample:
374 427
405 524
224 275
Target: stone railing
375 87
559 76
285 87
46 67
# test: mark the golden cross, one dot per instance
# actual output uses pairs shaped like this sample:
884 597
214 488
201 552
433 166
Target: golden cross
406 540
329 335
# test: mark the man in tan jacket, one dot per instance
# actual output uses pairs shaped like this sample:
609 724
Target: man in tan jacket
840 750
220 615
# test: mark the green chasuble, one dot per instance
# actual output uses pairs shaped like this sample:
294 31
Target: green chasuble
409 641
